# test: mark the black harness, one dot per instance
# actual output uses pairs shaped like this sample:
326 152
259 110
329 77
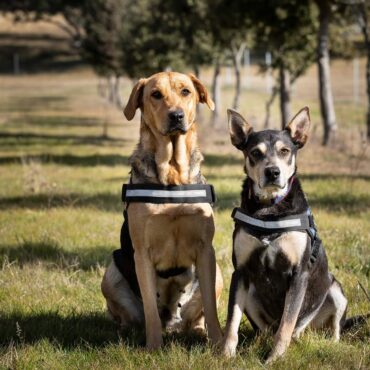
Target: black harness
157 194
160 194
274 227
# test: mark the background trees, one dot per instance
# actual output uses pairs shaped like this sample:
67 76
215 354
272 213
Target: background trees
136 38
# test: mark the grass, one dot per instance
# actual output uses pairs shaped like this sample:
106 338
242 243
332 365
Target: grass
60 216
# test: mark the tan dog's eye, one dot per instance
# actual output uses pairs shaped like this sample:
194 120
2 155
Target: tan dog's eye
185 92
157 95
284 151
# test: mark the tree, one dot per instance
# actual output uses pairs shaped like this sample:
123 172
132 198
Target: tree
363 16
101 46
285 27
45 9
323 63
230 27
358 12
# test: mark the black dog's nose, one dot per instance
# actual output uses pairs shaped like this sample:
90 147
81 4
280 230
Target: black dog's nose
272 173
176 116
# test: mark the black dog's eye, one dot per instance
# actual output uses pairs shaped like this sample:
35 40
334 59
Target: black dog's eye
157 95
284 151
185 92
256 153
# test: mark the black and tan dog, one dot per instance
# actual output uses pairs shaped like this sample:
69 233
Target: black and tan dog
281 278
168 276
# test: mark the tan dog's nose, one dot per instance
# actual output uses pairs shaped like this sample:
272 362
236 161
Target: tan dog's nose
176 116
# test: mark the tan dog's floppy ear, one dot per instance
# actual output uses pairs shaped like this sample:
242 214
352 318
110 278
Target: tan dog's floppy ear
299 126
134 100
202 92
239 128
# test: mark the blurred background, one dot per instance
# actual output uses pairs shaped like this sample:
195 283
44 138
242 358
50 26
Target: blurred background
66 71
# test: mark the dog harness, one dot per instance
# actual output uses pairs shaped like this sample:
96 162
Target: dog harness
276 226
157 194
160 194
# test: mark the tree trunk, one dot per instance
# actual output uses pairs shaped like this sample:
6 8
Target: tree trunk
117 94
363 20
285 90
323 61
268 106
111 93
216 93
237 58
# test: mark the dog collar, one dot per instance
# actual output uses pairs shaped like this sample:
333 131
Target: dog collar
160 194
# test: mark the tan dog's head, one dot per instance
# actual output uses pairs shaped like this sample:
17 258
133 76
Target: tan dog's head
168 101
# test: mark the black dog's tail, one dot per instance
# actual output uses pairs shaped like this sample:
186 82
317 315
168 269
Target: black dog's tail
354 321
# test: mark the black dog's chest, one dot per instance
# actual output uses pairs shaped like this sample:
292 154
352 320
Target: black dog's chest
268 265
270 281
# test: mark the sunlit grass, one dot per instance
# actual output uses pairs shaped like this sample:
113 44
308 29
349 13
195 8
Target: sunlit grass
60 216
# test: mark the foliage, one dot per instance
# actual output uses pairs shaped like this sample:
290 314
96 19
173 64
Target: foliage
104 22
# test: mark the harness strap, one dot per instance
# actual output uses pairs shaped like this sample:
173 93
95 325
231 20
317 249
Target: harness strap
290 223
300 222
159 194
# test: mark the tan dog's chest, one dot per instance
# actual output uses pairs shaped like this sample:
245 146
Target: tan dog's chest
171 233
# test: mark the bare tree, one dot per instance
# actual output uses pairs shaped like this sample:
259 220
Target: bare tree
323 61
237 52
364 24
285 95
216 89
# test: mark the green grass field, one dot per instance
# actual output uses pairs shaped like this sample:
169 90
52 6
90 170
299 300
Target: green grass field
60 216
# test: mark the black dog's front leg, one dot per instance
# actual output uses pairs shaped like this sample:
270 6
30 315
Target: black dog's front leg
292 306
236 308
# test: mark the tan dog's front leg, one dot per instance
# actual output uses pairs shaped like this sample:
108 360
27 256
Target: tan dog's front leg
206 270
147 281
292 306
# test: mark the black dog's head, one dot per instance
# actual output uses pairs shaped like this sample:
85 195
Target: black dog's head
270 155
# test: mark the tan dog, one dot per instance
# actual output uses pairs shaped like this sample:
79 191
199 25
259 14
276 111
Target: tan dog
167 237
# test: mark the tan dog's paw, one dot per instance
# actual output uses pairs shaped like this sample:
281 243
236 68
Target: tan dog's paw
154 344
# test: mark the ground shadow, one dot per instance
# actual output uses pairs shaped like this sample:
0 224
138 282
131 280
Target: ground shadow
104 201
327 176
71 160
83 259
29 138
37 53
25 104
349 203
57 121
217 160
83 330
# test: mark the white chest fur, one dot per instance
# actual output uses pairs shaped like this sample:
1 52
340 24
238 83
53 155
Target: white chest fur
292 244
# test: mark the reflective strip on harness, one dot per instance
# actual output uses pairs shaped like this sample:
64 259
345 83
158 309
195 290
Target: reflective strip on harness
296 222
152 193
267 224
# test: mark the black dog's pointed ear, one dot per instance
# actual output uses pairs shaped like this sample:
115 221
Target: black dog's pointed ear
299 127
134 100
239 128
